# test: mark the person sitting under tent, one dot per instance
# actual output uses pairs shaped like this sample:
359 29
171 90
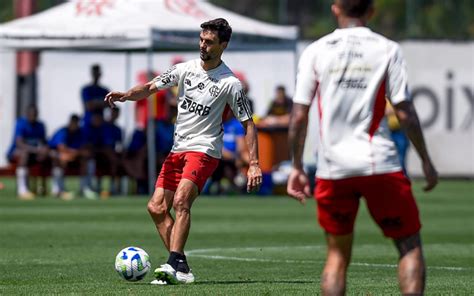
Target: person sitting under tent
29 147
67 152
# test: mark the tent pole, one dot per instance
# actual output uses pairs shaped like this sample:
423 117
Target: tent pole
127 130
150 136
129 117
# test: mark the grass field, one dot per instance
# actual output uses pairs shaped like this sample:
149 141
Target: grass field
237 246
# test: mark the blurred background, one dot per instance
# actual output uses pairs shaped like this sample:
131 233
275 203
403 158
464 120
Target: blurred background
62 56
437 38
397 19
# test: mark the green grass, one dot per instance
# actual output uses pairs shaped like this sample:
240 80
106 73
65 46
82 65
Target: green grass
262 246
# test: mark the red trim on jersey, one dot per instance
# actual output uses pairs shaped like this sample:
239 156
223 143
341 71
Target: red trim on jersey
320 109
225 113
379 110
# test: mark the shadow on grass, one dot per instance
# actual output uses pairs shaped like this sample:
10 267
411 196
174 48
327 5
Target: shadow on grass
239 282
254 282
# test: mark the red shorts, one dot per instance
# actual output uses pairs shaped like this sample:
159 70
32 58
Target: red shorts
194 166
389 200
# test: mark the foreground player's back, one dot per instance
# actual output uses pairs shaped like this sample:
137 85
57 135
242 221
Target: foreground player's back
354 69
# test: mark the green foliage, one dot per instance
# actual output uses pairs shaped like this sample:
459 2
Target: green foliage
397 19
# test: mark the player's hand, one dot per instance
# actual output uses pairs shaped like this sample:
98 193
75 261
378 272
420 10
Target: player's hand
298 185
431 175
254 178
114 96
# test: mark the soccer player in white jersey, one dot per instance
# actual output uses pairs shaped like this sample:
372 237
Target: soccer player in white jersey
349 73
207 89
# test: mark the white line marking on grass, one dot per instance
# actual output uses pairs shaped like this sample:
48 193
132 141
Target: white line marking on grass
251 259
202 253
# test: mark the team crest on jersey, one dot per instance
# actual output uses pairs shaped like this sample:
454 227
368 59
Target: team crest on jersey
187 82
201 86
214 91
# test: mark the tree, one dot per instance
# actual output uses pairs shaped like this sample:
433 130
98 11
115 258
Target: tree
397 19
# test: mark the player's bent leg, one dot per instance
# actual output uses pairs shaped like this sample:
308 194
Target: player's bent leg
159 208
411 266
333 279
185 195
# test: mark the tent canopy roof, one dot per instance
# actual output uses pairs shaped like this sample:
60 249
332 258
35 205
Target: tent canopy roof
136 25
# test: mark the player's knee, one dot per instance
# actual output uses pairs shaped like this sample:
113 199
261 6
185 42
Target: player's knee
22 157
336 265
410 245
181 204
156 209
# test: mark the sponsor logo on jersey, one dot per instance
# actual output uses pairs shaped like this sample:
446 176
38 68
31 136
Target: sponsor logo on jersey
243 104
333 42
350 69
352 83
215 80
201 86
195 108
214 91
354 40
351 55
181 138
167 77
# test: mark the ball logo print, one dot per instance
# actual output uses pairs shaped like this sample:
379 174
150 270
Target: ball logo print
132 264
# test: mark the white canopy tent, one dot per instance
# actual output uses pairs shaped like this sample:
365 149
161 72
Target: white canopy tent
143 25
137 24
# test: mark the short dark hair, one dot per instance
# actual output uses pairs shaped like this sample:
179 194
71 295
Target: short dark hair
224 31
355 8
95 68
75 117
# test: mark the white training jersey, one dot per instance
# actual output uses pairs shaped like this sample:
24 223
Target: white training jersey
350 73
202 99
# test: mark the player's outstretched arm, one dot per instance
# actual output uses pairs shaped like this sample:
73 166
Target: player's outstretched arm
298 182
134 94
254 173
409 121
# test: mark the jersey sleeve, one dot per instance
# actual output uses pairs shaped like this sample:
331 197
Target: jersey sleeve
397 80
169 78
239 103
306 78
58 138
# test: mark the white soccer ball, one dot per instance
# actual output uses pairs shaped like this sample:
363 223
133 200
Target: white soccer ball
132 264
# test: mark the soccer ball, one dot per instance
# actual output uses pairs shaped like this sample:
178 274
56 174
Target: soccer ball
132 264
